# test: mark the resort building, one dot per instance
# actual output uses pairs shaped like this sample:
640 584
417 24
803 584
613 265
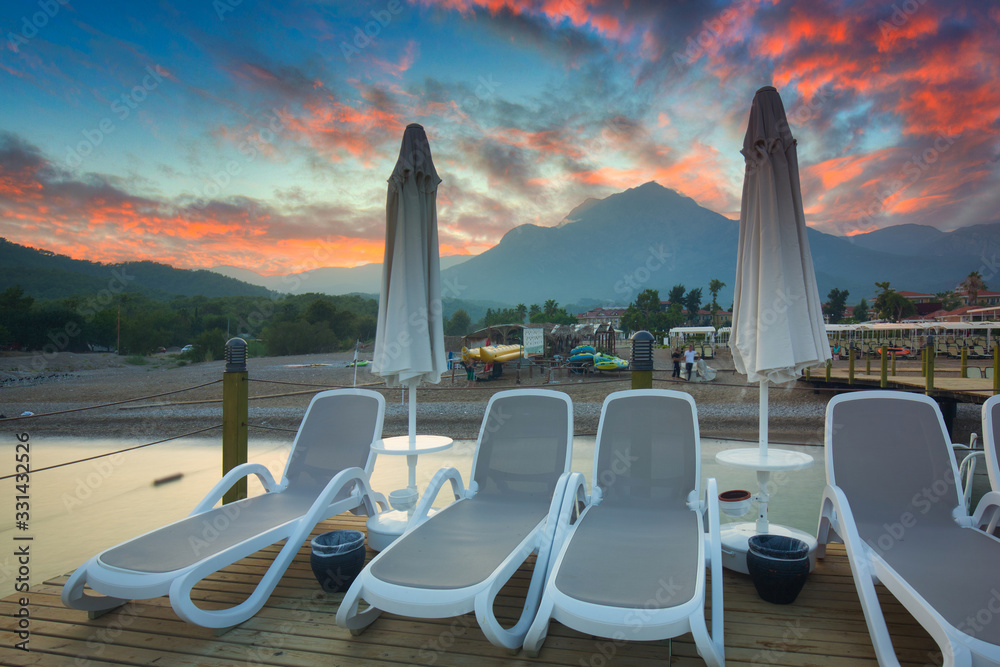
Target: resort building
599 316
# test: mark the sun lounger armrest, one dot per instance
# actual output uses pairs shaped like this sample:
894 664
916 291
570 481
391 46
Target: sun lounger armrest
567 507
420 514
836 510
229 479
714 556
564 511
180 589
987 512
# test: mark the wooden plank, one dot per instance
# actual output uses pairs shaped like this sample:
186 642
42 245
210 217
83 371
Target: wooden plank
297 627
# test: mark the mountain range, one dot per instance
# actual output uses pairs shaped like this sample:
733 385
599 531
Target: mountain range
607 250
604 252
47 275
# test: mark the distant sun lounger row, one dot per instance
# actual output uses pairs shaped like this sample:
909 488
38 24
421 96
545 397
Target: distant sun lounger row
892 497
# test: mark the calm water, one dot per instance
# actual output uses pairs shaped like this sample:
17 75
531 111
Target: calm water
80 509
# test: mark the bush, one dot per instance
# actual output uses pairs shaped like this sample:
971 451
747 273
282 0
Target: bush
209 346
136 360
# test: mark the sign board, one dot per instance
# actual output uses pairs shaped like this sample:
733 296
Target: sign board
534 341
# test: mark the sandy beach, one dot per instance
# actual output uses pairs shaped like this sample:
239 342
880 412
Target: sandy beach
280 389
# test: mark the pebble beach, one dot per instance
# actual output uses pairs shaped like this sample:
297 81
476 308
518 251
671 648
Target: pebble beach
180 398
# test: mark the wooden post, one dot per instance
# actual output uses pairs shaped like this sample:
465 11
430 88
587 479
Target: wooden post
235 401
930 367
996 369
868 363
883 365
808 373
850 365
829 366
923 362
642 379
964 363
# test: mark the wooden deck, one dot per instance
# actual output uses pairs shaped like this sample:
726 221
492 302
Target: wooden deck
824 626
963 390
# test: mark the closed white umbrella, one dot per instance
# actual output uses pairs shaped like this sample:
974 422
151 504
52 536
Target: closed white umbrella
778 327
409 339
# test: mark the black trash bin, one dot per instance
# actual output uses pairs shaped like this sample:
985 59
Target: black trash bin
778 566
337 558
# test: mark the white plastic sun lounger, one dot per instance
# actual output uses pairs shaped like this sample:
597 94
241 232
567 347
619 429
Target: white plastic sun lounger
457 560
326 474
893 500
987 514
633 565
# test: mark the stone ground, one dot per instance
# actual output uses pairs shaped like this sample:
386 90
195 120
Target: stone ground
280 389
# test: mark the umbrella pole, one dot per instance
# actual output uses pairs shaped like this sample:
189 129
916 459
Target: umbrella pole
763 476
763 418
411 460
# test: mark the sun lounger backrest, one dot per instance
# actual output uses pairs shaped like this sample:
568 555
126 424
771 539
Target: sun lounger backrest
890 454
336 433
523 445
991 425
647 448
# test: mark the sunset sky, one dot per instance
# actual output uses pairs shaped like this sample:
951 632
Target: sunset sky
260 134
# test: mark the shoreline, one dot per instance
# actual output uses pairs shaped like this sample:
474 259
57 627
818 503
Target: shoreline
281 387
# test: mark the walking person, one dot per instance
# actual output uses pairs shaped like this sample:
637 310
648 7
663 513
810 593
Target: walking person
690 356
675 357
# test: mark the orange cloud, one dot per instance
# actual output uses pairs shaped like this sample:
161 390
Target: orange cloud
338 129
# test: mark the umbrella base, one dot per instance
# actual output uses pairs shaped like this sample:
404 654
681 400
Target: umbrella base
735 543
385 527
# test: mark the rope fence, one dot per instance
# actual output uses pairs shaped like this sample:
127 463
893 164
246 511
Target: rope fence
314 387
107 405
120 451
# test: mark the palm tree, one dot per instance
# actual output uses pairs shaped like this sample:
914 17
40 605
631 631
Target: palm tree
522 312
714 287
973 285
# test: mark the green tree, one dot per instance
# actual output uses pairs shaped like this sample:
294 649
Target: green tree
861 311
644 313
692 301
16 315
364 327
555 316
210 345
320 310
550 307
458 324
299 337
836 305
676 294
522 313
534 310
714 287
891 305
973 285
